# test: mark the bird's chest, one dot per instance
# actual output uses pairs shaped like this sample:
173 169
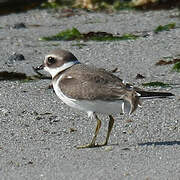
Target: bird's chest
60 94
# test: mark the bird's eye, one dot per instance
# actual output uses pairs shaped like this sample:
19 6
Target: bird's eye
51 60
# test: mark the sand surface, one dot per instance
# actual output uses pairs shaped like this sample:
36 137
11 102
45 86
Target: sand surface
38 132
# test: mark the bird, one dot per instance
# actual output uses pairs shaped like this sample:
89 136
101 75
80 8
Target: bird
93 90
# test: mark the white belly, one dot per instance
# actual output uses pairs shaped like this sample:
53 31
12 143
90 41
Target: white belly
98 106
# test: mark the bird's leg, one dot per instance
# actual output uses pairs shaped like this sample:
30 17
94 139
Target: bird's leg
92 143
111 122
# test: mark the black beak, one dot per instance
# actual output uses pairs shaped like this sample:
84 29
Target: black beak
41 67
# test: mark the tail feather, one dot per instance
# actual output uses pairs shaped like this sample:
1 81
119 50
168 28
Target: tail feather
149 94
146 94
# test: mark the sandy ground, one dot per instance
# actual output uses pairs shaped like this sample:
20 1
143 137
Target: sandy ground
38 132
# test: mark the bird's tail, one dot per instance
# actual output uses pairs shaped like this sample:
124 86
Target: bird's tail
152 95
149 94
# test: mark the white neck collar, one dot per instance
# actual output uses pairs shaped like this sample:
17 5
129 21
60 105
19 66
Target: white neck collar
55 71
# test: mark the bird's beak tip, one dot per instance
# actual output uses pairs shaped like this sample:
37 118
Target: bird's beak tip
41 67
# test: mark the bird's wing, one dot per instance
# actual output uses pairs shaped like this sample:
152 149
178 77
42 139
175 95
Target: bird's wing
91 85
95 84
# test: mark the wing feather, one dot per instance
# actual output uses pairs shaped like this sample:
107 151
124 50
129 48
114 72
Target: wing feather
84 83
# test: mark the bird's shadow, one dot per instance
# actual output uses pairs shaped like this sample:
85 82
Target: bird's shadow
161 143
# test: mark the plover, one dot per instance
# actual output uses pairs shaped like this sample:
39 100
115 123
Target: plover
93 90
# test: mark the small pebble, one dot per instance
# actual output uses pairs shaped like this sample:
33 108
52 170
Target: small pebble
139 76
19 25
16 57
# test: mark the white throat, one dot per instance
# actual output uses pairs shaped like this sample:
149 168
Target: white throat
55 71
